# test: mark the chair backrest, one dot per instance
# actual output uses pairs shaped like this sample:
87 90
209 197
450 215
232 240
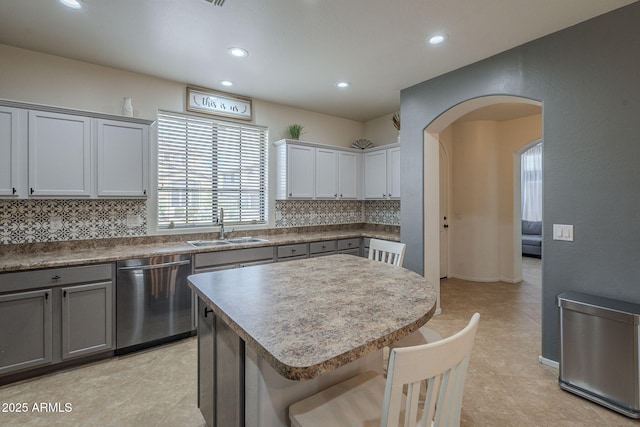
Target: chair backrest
443 366
388 252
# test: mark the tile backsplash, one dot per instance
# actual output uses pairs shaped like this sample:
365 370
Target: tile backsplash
300 213
29 221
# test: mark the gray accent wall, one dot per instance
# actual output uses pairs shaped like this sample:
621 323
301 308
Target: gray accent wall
588 80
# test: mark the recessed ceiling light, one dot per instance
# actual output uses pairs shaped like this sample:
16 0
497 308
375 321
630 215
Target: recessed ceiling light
226 83
437 38
74 4
343 85
238 52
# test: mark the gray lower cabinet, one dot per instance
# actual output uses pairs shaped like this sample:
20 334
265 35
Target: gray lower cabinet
87 319
349 246
51 316
25 335
220 371
291 252
236 258
324 248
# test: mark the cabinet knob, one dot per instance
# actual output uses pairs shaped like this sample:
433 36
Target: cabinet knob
293 250
207 310
13 190
384 195
335 195
340 195
290 194
31 190
56 277
144 192
64 294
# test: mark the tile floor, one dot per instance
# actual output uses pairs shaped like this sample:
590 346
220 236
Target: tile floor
506 385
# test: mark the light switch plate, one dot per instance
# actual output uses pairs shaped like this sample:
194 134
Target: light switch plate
563 232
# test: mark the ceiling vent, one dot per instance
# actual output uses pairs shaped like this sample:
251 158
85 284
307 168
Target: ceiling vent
216 2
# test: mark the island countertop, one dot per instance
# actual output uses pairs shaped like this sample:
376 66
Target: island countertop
311 316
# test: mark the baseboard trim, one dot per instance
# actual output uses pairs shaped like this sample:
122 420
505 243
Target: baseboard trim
549 362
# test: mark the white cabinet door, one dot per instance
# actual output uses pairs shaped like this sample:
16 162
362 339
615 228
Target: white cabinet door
87 319
123 159
300 171
375 175
326 174
393 173
59 154
9 155
348 175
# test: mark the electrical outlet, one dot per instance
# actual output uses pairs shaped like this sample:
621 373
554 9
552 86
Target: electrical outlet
55 223
133 220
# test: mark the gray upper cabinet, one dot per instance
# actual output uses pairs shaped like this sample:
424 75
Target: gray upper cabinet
10 134
123 159
25 336
59 154
87 319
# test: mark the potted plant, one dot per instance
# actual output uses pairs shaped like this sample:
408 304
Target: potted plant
295 130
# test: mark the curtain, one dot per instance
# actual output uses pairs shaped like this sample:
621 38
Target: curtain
531 175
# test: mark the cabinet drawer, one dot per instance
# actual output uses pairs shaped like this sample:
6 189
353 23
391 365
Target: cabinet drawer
236 256
298 250
34 279
320 247
345 244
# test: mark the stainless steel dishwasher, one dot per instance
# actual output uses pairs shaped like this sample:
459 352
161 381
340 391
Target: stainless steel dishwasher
153 301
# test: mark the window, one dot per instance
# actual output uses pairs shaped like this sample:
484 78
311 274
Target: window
531 179
205 165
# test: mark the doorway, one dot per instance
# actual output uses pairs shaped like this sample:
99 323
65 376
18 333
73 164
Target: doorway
441 221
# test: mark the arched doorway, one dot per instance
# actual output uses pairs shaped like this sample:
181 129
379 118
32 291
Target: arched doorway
508 266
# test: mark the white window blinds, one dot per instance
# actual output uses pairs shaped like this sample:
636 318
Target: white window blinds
205 165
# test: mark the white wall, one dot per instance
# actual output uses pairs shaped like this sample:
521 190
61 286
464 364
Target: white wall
380 131
30 76
482 202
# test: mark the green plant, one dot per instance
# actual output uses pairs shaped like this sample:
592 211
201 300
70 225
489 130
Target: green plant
295 130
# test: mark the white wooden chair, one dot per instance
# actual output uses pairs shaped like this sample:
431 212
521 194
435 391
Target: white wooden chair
388 252
369 400
393 253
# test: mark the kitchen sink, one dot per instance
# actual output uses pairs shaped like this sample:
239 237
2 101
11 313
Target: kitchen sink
247 240
201 243
237 241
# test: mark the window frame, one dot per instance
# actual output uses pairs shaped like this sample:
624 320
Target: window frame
243 179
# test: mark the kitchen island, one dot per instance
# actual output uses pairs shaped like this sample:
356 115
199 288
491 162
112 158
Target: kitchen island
273 334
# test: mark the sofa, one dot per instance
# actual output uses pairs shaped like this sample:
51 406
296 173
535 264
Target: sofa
532 238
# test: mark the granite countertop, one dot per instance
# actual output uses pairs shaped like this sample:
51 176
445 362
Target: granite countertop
73 253
311 316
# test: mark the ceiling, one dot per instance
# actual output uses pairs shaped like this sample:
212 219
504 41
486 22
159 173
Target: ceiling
298 49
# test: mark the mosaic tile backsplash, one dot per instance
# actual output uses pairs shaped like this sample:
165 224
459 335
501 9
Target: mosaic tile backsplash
29 221
300 213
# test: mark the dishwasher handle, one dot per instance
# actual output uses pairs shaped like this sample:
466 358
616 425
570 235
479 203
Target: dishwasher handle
155 266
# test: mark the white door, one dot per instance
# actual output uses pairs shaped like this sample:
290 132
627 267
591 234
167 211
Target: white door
123 159
444 214
375 175
59 154
326 174
300 171
9 146
348 175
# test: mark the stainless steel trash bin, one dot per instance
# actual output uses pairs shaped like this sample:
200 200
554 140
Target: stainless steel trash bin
599 350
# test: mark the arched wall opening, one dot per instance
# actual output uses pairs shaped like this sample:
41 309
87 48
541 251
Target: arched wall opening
507 265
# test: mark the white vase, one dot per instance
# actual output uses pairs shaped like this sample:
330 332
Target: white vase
127 108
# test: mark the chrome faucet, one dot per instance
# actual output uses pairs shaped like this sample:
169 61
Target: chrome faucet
221 222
